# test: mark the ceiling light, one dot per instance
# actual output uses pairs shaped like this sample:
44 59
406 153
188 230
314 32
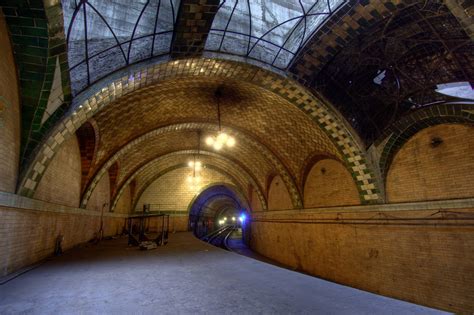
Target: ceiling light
209 141
196 165
221 139
230 142
217 146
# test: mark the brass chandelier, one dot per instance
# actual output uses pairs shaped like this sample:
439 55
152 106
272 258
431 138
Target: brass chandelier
222 139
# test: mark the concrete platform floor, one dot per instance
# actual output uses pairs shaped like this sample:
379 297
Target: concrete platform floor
185 277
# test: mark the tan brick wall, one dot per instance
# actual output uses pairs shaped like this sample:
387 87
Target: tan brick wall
329 184
124 204
422 172
61 182
422 261
9 113
100 195
177 224
30 236
173 192
278 196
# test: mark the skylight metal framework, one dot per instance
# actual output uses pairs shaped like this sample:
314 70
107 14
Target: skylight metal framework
268 31
106 35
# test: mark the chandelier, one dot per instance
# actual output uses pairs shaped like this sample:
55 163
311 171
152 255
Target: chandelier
196 165
221 139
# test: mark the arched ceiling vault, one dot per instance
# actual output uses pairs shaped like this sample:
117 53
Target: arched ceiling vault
337 54
291 106
288 133
253 156
224 165
164 140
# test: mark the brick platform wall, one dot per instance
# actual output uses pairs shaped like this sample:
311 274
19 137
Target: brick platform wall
29 235
177 223
61 182
278 196
436 163
100 195
329 184
172 191
421 256
9 113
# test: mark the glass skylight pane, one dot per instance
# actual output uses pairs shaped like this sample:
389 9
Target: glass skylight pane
273 28
118 33
457 89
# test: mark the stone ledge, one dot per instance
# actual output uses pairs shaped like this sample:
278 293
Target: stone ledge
408 206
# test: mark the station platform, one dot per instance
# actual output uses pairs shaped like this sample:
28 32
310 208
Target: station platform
187 276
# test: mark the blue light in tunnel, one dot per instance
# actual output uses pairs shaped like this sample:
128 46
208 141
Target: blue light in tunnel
242 218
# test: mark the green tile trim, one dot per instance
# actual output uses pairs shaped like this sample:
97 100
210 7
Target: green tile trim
36 45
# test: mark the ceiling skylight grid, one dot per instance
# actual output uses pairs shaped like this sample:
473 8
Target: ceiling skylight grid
106 35
269 31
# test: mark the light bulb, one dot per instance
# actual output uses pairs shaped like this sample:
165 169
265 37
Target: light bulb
198 164
190 179
190 163
217 146
222 137
209 140
230 142
198 167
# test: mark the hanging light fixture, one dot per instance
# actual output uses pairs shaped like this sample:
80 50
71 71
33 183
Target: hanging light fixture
221 139
196 165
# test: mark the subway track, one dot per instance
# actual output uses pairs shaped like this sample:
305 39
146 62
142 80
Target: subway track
220 237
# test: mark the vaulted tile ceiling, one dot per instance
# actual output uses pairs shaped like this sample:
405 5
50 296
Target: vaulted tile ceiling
137 69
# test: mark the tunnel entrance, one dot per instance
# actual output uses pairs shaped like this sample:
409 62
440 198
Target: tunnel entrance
218 212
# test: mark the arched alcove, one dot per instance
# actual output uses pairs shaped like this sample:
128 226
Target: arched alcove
278 196
436 163
329 183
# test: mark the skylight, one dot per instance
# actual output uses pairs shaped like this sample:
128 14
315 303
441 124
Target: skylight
268 31
457 89
106 35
